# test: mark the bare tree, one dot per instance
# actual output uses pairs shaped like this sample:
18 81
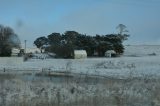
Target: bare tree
122 29
8 40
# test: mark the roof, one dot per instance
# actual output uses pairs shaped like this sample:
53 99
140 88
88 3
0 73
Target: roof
33 50
80 52
15 50
111 51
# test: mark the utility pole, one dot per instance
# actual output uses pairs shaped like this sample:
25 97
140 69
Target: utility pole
25 41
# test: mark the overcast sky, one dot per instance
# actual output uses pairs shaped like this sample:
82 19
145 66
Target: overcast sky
34 18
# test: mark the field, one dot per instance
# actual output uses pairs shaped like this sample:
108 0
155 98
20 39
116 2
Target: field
130 80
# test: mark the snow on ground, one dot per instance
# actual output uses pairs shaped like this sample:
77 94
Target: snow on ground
79 91
141 50
137 61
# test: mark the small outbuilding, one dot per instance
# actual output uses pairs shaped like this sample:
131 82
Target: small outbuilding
80 54
110 53
15 52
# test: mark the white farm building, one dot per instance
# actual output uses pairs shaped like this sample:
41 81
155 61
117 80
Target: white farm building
15 52
110 53
33 50
80 54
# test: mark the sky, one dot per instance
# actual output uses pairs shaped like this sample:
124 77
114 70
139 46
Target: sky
31 19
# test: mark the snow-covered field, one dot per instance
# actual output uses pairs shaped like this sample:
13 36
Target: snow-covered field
141 50
130 80
137 61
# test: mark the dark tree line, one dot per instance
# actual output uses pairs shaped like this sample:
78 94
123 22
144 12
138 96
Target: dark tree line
8 40
63 45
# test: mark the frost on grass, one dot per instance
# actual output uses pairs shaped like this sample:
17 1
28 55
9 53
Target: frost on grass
112 92
124 81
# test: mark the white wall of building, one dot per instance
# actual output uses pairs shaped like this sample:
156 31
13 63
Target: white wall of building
80 54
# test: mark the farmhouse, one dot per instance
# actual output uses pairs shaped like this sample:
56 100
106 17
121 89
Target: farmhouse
15 52
110 53
32 50
20 52
80 54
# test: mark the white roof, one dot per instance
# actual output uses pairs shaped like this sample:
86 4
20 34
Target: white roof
80 52
28 50
15 50
110 51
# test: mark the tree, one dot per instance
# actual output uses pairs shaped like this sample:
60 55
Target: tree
8 40
14 41
71 36
122 29
64 45
118 48
54 38
5 50
40 42
89 45
115 42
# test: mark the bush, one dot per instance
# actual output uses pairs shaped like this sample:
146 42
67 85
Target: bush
5 50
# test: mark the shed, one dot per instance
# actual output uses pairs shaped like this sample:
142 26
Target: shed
80 54
15 52
110 53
